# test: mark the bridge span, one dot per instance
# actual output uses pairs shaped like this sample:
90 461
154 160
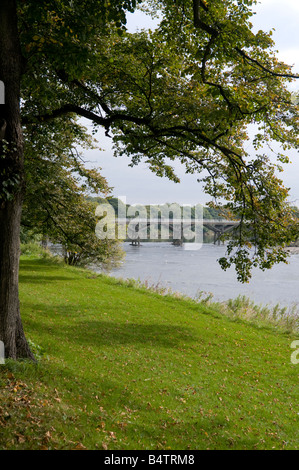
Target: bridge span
218 226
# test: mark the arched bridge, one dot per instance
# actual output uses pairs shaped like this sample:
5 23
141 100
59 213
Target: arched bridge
218 226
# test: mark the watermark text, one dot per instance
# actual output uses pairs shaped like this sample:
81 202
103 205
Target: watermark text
295 354
2 353
180 223
2 93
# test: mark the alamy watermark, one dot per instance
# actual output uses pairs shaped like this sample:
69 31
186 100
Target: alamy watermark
295 98
2 93
179 223
295 354
2 353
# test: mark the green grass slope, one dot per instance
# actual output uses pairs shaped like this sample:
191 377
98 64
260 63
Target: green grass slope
124 368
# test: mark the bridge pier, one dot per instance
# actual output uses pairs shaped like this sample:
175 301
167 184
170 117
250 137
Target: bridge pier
177 242
217 236
136 242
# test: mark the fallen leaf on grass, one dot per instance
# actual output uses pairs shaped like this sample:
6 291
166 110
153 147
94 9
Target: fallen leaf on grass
80 446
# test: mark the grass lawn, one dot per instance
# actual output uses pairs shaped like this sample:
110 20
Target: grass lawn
125 368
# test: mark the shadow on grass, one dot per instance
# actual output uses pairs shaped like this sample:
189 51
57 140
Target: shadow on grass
35 267
33 279
69 327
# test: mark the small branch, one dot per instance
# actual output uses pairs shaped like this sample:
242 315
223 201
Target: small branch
275 74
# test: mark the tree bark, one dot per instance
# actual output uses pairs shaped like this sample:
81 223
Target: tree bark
11 185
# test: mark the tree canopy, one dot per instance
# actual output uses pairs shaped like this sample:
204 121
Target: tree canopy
189 90
56 204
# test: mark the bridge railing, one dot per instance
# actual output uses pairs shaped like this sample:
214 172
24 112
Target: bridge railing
163 220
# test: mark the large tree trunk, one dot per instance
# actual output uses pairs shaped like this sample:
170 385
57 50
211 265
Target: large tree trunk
11 184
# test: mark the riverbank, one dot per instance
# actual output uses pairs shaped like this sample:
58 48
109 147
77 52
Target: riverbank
293 250
124 368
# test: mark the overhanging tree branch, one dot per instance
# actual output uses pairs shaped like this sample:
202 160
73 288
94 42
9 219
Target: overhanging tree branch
214 32
75 109
261 66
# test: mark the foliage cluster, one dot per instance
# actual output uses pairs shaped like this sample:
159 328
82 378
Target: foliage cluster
189 91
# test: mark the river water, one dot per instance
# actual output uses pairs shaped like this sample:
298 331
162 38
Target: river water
192 271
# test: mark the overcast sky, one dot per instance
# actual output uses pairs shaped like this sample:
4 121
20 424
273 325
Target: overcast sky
139 184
